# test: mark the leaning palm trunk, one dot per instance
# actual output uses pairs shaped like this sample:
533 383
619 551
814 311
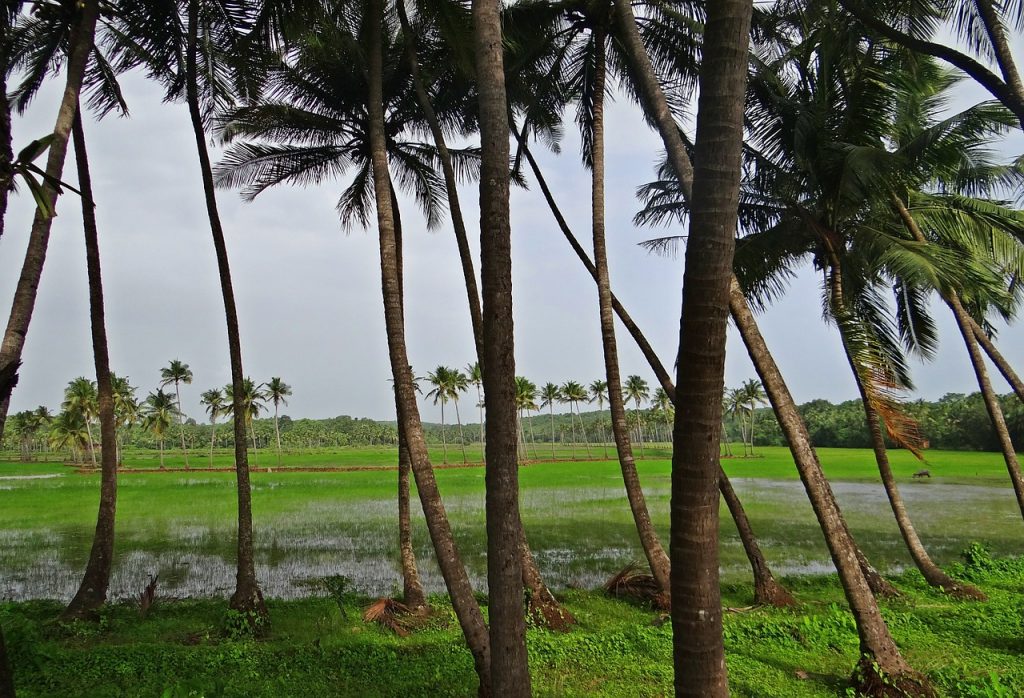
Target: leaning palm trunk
461 591
998 359
277 436
80 44
929 570
653 550
757 563
412 588
462 436
92 592
444 440
247 597
880 657
964 323
181 423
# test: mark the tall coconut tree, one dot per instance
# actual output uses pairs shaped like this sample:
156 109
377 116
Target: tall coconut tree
880 655
476 378
80 46
253 401
158 413
277 391
441 378
599 393
176 373
126 407
753 396
67 431
213 400
637 390
549 395
200 52
574 393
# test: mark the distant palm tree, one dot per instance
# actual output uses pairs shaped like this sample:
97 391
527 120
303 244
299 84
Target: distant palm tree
213 399
80 398
126 407
752 393
177 373
67 430
448 384
549 395
599 393
252 404
277 391
637 390
158 413
476 377
574 393
526 402
734 405
663 405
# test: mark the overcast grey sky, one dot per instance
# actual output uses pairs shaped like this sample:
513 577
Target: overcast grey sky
309 294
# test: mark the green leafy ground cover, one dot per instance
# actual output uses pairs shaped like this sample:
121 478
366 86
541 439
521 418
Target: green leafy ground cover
321 647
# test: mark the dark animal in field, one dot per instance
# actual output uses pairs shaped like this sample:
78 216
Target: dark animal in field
922 473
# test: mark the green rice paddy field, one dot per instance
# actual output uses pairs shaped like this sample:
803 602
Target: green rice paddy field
328 513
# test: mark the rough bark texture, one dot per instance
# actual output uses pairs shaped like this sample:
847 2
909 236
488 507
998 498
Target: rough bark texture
412 588
510 675
92 592
998 359
655 553
763 578
1000 45
878 650
698 648
13 343
463 602
6 153
247 597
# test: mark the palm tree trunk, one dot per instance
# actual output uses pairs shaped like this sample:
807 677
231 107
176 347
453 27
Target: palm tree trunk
653 550
509 666
444 442
80 45
277 435
572 427
879 652
213 437
696 600
480 407
92 442
6 158
247 597
92 592
161 454
551 413
998 359
462 436
583 431
766 589
1000 46
461 591
181 423
963 321
412 588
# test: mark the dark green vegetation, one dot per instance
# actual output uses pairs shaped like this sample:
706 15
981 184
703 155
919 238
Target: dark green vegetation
318 647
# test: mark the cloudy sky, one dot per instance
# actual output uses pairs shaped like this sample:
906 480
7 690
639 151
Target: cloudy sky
309 293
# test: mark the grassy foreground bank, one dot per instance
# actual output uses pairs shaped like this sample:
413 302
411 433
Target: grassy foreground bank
321 647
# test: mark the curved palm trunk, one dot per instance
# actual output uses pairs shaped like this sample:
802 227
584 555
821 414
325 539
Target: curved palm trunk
929 570
92 592
412 588
13 343
878 649
1000 45
998 359
247 597
461 591
653 550
181 423
743 526
964 321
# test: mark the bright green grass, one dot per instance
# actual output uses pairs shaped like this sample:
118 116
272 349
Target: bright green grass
316 649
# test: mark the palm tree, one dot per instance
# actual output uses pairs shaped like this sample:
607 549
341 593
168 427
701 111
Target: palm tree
276 391
177 373
126 407
213 399
158 413
572 392
637 390
80 399
441 379
599 393
526 402
252 402
549 395
752 393
67 430
80 44
477 379
198 50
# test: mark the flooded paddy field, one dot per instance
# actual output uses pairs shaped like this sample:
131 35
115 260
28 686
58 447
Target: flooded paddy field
312 525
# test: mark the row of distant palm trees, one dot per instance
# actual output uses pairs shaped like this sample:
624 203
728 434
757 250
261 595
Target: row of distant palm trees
740 404
448 384
73 427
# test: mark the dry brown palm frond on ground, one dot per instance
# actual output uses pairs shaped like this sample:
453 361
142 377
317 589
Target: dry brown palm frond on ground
390 613
632 583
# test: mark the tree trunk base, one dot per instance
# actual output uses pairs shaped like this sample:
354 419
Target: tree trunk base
84 609
870 679
957 590
249 604
547 613
769 592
